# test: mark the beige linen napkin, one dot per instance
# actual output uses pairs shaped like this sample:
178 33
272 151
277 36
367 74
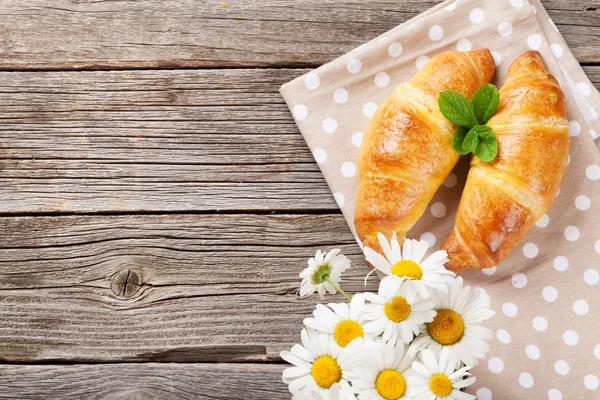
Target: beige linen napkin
546 292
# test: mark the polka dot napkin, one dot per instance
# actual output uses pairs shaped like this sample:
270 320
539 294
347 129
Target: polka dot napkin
547 292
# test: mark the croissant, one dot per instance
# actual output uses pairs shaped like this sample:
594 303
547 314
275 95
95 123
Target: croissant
502 199
406 151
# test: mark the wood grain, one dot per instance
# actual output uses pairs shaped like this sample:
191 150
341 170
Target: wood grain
143 381
90 34
203 140
202 288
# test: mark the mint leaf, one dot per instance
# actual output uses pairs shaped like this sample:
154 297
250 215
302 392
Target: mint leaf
471 140
458 139
487 148
485 102
456 108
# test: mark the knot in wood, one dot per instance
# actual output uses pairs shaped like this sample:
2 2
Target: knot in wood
126 283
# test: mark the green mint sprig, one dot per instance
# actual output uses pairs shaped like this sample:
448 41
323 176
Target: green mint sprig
472 136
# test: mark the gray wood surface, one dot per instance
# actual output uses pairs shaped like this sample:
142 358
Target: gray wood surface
64 34
127 141
199 288
143 382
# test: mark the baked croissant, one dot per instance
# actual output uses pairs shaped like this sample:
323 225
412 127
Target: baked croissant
406 151
502 199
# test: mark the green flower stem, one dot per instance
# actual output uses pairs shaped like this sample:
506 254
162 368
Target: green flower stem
339 289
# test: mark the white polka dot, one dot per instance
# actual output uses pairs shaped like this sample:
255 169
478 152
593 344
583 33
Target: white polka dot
519 280
497 58
382 79
476 15
516 3
597 246
534 41
597 351
484 394
581 307
464 45
534 9
591 382
395 49
553 24
503 336
509 309
450 180
540 324
532 352
561 263
421 61
554 394
312 81
584 88
369 109
319 155
561 367
574 128
429 238
505 29
595 135
330 125
582 202
438 210
526 380
550 294
571 233
357 139
591 277
348 169
543 221
530 250
496 365
354 66
570 338
340 95
436 33
556 50
593 172
339 199
489 271
451 6
300 112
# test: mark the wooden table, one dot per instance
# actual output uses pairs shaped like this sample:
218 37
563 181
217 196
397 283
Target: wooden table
157 200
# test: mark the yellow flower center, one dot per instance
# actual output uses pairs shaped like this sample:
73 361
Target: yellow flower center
390 384
326 371
407 269
447 327
346 331
440 385
398 310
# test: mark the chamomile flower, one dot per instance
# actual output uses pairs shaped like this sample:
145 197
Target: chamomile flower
439 379
334 394
397 311
323 270
408 263
457 324
342 321
385 374
319 363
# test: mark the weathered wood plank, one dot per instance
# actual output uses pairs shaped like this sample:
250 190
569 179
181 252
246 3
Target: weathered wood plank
153 140
143 381
206 33
199 288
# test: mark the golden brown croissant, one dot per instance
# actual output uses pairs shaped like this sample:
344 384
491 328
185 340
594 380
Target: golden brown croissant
502 199
406 152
